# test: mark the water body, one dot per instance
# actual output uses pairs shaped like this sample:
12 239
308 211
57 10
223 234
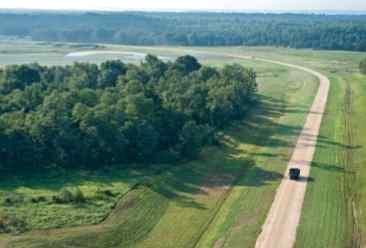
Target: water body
126 56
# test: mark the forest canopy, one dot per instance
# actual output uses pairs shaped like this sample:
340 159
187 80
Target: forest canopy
88 115
338 32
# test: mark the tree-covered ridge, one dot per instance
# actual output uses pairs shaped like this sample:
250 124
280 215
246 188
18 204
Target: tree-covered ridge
197 29
363 66
89 115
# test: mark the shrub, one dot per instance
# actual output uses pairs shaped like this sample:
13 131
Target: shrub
69 196
65 196
104 194
11 224
108 192
13 198
78 196
38 199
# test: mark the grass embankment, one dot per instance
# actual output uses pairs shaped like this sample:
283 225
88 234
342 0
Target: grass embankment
333 213
176 208
359 157
21 190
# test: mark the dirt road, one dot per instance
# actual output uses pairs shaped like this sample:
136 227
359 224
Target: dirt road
279 229
2 243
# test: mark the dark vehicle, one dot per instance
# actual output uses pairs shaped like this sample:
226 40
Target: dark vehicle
294 173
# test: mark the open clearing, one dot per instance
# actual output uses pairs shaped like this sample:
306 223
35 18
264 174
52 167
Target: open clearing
190 206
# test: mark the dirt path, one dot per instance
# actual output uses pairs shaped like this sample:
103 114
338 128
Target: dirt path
279 229
3 243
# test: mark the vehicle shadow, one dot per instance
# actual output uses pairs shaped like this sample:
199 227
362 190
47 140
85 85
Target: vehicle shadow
306 179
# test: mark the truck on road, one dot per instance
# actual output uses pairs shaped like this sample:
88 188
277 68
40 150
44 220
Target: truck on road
294 173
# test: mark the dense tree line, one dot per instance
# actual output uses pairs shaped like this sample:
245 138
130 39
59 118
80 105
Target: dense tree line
198 29
363 66
89 115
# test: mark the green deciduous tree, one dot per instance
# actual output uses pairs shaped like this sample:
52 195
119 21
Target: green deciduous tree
19 76
85 115
109 73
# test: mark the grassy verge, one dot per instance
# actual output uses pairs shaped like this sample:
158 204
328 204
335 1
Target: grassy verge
359 134
239 221
334 210
333 213
177 207
325 220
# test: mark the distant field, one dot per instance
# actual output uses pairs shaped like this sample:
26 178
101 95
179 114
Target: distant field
18 52
220 200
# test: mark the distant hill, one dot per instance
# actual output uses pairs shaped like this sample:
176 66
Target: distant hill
317 31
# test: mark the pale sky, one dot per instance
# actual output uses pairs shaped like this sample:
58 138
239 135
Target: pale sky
342 5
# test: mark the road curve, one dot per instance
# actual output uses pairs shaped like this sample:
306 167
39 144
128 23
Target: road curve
279 229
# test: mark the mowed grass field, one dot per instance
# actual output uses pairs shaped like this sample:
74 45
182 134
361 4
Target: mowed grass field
326 219
221 199
334 210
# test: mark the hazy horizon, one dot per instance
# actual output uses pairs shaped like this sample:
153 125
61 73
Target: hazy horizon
254 11
192 5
